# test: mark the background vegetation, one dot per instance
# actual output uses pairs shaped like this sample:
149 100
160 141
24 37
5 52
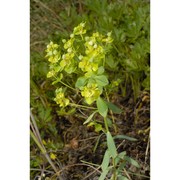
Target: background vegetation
67 141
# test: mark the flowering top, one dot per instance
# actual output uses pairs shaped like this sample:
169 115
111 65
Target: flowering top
60 98
52 52
79 30
84 56
91 92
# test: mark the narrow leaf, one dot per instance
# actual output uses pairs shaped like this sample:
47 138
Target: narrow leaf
132 161
111 145
125 137
114 108
103 174
105 161
90 117
122 154
102 107
119 157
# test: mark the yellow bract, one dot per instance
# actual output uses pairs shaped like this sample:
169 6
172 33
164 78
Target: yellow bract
60 98
52 52
79 30
91 93
51 73
87 64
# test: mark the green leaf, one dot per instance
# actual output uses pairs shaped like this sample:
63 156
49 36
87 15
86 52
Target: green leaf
101 80
103 174
105 161
81 81
101 70
90 117
119 157
109 122
111 145
114 108
125 137
132 161
102 107
121 166
110 62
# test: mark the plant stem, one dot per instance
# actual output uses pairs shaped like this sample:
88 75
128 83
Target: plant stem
112 116
37 142
81 106
114 170
106 124
68 86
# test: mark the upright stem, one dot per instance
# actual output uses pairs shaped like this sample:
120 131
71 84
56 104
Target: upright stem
82 106
112 116
106 124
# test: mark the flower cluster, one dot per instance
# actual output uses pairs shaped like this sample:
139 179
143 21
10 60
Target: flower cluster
79 30
53 53
94 51
60 98
91 92
83 55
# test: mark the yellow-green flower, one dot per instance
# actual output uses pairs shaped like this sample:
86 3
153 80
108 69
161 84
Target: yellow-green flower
91 93
68 63
79 30
87 64
51 73
60 98
69 43
52 52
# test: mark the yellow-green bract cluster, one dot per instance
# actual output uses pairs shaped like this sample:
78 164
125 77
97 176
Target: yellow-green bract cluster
83 55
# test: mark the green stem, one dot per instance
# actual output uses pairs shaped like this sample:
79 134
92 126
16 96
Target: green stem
37 142
68 86
112 116
81 106
106 124
114 170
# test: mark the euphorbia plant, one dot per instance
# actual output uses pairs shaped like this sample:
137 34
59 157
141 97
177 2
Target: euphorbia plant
79 65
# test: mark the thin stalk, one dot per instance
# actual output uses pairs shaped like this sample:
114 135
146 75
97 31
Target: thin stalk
81 106
106 124
43 150
136 174
36 128
37 142
68 86
112 116
127 174
114 169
